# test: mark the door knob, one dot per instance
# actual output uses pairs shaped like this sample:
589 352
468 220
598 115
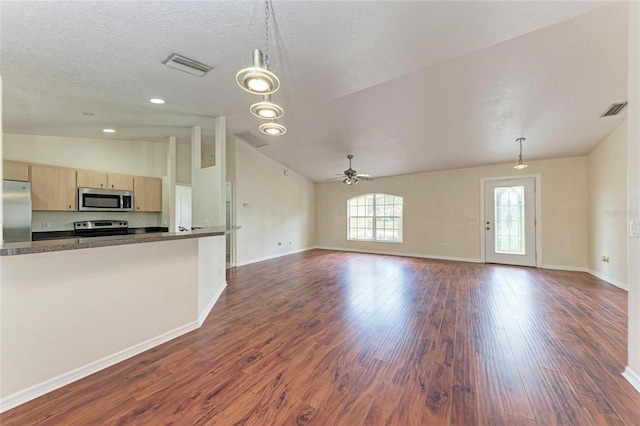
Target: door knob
488 228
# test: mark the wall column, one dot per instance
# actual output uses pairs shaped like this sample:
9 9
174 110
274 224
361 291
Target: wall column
632 372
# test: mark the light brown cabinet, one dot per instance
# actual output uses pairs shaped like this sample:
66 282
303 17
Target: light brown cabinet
118 181
91 179
147 194
14 170
53 188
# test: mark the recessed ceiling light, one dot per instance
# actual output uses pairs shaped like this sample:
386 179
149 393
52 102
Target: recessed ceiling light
156 101
108 130
88 113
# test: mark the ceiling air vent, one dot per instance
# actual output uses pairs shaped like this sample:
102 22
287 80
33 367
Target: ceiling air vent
251 139
182 63
614 109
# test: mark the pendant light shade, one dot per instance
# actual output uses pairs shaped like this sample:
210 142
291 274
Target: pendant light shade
273 129
257 79
267 109
520 164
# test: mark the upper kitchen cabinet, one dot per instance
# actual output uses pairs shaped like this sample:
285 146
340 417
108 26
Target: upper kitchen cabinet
14 170
122 182
147 194
53 188
92 179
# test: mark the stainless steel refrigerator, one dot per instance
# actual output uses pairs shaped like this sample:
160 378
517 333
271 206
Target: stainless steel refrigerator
16 208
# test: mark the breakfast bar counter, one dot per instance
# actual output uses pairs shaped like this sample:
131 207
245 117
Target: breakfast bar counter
12 249
72 307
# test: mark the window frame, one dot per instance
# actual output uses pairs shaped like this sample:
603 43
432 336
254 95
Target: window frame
375 217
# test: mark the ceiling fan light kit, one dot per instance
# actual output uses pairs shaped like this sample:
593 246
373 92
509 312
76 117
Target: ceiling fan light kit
260 81
521 165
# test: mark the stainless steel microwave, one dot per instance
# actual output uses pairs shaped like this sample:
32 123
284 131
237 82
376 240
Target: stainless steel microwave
104 200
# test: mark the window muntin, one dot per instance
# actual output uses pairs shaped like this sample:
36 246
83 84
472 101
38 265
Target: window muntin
375 217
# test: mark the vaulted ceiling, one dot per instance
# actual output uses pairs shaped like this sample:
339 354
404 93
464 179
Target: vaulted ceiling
404 86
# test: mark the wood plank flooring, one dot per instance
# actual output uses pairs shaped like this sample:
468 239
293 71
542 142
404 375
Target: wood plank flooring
333 338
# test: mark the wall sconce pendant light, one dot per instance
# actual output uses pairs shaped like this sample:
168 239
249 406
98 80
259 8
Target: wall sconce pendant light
520 164
267 109
258 79
272 128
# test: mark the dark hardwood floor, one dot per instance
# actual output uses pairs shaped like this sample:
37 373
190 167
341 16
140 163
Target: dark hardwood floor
332 338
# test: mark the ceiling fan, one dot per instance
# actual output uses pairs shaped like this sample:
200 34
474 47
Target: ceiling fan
351 176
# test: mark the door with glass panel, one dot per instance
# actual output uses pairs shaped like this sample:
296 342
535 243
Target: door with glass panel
510 222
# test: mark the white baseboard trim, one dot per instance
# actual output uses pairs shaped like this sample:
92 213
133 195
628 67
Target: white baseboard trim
262 259
391 253
203 316
632 377
565 268
64 379
610 280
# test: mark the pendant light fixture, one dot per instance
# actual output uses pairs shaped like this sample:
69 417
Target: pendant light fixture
267 109
272 128
258 79
520 164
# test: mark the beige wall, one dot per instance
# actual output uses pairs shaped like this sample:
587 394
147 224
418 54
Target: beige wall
437 206
633 164
129 157
278 208
607 190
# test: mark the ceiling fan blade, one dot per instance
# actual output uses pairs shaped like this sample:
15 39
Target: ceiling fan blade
363 176
338 177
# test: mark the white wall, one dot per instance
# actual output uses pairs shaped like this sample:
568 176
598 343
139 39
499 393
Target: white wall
607 188
279 208
436 206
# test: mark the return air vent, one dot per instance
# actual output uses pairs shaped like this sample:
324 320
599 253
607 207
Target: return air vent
190 66
251 139
614 109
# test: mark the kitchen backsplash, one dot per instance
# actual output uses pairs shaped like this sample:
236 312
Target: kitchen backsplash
63 221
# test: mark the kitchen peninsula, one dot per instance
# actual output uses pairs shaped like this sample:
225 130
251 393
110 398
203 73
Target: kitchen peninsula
73 307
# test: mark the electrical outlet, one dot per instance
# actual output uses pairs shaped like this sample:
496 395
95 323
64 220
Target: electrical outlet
45 225
279 243
444 245
206 223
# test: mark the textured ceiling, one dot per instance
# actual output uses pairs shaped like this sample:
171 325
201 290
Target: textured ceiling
404 86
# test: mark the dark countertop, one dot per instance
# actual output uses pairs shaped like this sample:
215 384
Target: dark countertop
12 249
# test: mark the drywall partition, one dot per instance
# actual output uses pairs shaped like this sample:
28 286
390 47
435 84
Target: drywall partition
607 188
442 211
208 183
274 205
632 372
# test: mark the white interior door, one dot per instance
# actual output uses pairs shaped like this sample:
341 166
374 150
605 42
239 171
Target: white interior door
510 222
183 208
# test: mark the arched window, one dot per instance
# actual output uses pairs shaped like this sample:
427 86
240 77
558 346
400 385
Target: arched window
375 217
